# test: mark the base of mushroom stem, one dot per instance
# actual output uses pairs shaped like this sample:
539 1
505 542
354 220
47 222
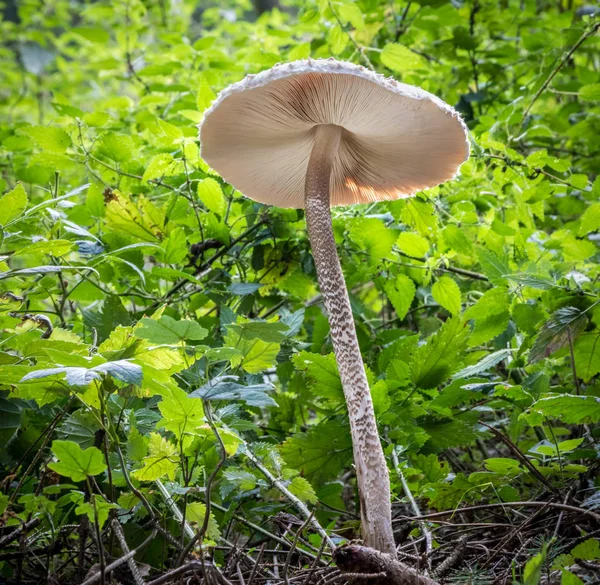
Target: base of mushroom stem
361 564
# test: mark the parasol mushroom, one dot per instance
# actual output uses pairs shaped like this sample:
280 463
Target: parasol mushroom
313 134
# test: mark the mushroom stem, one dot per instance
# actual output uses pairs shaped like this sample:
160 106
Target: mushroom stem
371 468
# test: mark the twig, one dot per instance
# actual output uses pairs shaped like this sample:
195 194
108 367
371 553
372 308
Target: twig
130 562
19 531
191 566
120 561
424 529
503 505
519 455
288 559
360 49
560 65
289 495
202 530
174 509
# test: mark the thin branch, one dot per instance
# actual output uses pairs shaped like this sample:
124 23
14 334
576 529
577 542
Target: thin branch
586 35
289 495
423 525
532 504
130 562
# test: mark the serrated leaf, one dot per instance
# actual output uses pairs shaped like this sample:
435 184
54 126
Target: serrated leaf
590 92
588 550
433 363
401 292
182 413
76 463
322 373
321 453
565 324
12 204
399 58
302 489
228 388
590 220
445 291
210 193
196 512
570 408
483 365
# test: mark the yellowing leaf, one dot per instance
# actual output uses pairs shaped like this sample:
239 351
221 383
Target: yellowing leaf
161 461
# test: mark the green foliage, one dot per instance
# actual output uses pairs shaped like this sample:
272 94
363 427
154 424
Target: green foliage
156 325
76 463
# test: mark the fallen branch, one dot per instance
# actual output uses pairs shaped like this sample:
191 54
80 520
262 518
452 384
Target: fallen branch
359 562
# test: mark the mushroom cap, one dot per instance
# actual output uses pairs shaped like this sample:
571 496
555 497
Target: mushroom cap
397 139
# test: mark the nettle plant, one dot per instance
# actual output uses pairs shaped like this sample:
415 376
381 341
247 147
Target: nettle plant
168 376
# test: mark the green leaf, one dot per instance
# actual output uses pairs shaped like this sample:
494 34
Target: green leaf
401 292
494 267
205 95
413 244
76 463
321 453
590 220
533 569
446 292
322 373
210 193
302 489
399 58
588 550
12 204
196 511
590 92
565 324
169 331
587 355
568 578
181 413
570 408
162 460
50 138
433 363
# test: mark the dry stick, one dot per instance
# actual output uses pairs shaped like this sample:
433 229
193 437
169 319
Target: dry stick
314 564
174 508
426 532
519 455
256 565
130 562
504 505
371 467
20 530
120 561
560 65
191 566
290 496
288 559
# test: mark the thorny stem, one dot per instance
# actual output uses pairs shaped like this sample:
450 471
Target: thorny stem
371 468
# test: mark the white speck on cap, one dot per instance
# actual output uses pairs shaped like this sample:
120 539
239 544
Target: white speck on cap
397 139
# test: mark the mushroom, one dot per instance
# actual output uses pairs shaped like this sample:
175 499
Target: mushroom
316 133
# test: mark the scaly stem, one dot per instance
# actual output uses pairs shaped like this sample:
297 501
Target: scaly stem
371 469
